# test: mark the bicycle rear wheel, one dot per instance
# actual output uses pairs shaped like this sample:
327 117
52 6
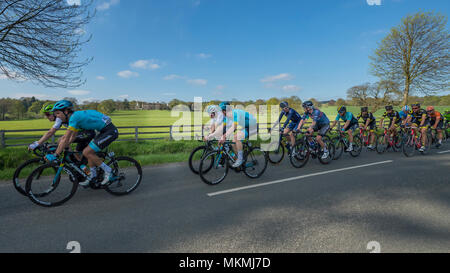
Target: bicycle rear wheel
23 171
127 173
300 154
256 162
47 189
219 170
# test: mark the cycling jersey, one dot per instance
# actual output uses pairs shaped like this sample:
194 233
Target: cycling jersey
88 120
243 121
393 116
346 117
403 114
434 116
291 115
368 116
318 116
218 119
418 116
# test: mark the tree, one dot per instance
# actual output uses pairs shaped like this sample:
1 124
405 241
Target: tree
107 106
19 109
5 107
315 102
359 94
40 41
340 102
36 107
415 54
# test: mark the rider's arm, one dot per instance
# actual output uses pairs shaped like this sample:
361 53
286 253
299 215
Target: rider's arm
424 117
47 136
278 121
347 123
65 141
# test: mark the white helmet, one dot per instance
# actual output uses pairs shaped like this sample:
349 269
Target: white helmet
212 109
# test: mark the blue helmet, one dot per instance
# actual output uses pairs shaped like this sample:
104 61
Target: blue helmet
62 104
406 109
223 105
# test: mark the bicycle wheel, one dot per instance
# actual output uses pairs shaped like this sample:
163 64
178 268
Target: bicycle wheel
357 146
381 144
300 154
338 147
23 171
330 148
127 173
409 146
219 169
255 163
196 156
48 189
276 156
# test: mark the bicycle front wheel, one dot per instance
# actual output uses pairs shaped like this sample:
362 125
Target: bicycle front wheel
409 146
219 170
300 154
48 189
276 156
256 163
23 171
382 144
338 147
195 157
127 174
357 146
331 151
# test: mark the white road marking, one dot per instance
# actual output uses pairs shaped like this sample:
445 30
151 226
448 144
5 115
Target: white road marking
443 152
296 178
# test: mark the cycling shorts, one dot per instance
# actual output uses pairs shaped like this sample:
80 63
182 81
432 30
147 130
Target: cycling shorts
106 136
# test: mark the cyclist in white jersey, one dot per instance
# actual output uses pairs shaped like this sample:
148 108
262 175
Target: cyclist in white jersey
216 115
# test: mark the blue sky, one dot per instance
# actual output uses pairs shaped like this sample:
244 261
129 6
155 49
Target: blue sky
224 49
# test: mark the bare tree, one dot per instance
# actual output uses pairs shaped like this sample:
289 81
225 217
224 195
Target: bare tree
360 94
415 54
40 41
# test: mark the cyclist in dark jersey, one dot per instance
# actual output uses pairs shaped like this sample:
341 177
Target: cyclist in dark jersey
419 119
436 122
369 121
394 120
351 124
293 118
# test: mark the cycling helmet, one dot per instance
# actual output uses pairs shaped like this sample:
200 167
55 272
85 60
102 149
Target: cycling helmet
212 109
308 104
62 104
415 104
430 109
284 104
406 109
223 105
364 109
342 109
389 107
47 108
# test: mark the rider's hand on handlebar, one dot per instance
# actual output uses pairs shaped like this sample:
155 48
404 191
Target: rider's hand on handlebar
33 146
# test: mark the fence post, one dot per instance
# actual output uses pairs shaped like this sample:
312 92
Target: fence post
136 133
2 139
170 137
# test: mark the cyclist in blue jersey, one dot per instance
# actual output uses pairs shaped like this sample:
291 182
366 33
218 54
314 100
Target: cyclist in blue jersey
351 124
320 123
293 119
243 126
86 120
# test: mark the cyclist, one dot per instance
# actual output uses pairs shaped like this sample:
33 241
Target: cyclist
82 139
216 116
87 120
243 125
419 119
320 123
394 120
406 111
369 121
436 122
293 119
351 124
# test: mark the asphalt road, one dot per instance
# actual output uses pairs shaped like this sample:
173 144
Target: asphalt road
401 203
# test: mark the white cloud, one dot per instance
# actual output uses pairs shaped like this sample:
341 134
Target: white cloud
107 5
146 64
123 97
79 92
197 81
290 88
100 78
127 74
374 2
173 77
279 77
203 56
73 2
